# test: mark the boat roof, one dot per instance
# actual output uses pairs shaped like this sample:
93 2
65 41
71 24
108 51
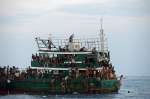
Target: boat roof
47 68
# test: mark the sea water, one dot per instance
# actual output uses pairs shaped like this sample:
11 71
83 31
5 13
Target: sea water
132 88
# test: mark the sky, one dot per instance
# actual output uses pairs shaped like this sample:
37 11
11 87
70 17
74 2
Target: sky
125 22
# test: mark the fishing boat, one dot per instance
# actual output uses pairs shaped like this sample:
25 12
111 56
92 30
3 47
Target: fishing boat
66 66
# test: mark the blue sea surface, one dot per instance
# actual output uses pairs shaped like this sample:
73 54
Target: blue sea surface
132 88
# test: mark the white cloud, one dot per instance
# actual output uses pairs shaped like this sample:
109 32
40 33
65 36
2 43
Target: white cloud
15 7
113 7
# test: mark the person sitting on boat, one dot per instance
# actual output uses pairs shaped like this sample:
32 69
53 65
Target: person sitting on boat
33 57
49 44
71 38
61 49
63 88
94 50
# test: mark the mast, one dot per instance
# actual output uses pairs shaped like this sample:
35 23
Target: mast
102 41
103 44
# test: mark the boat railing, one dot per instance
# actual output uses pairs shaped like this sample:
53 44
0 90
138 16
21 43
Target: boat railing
64 44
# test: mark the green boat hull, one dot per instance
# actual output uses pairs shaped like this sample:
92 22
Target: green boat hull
74 87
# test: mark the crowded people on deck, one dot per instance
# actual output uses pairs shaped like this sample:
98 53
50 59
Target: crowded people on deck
13 73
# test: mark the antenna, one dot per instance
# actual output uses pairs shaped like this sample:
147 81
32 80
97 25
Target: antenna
101 22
